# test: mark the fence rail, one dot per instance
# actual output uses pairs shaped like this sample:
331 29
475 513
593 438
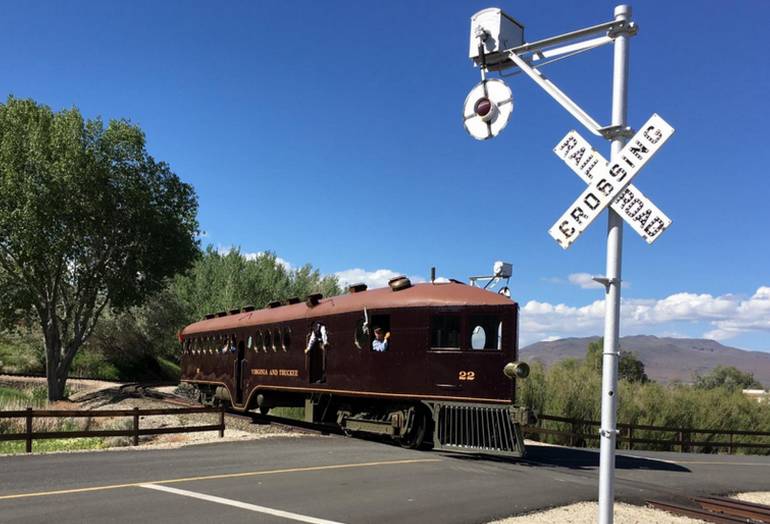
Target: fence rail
135 431
684 436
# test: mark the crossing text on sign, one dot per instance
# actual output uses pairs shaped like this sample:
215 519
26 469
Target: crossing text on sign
607 184
638 210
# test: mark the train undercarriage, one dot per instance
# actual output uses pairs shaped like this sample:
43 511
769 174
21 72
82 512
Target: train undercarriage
441 425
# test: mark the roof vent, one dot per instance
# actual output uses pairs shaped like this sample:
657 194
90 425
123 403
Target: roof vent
235 311
357 288
314 299
248 308
400 282
210 316
453 281
222 314
274 303
294 300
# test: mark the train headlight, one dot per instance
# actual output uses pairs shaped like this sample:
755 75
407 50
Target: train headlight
514 370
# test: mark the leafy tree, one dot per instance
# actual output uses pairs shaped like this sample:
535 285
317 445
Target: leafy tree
223 281
629 366
88 219
727 377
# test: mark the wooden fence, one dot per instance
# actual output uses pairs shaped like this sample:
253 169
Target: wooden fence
686 438
135 431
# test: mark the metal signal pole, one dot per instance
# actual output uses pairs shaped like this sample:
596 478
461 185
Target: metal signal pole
497 37
612 298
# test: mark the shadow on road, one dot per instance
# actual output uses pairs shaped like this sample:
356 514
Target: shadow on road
576 459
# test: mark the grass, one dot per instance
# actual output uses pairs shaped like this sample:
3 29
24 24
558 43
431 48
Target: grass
292 413
20 353
12 399
57 444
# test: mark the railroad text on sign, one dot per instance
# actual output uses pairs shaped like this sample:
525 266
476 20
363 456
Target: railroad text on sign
637 210
609 181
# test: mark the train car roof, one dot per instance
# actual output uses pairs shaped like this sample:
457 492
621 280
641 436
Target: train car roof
418 295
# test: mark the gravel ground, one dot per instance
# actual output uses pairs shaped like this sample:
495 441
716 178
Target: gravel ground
586 512
758 497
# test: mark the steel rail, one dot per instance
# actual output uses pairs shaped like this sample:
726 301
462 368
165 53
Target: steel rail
735 508
687 511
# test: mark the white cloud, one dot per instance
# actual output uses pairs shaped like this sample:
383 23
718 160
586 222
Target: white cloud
253 255
584 280
728 315
750 315
278 260
373 279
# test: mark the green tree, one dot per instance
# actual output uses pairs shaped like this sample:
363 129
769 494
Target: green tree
630 367
88 219
728 377
220 281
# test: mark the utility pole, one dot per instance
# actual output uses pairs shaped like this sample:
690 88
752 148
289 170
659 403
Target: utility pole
611 350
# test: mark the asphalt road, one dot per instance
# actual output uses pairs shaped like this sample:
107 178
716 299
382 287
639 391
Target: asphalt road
321 479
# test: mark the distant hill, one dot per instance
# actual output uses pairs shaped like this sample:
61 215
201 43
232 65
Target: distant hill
665 359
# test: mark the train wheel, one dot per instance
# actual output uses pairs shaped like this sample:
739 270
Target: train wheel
264 410
416 437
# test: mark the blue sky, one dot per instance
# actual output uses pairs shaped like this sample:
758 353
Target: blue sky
331 133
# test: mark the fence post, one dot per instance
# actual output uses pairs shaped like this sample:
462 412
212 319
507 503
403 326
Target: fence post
222 421
136 427
684 438
29 430
573 436
630 435
731 450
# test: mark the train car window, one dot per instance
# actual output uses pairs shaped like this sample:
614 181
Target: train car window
379 322
248 342
445 331
286 338
277 339
500 336
268 340
258 342
478 337
361 338
485 332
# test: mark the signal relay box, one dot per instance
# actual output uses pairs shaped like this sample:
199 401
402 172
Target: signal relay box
502 32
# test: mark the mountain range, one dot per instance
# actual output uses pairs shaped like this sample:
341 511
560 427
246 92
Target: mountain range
665 359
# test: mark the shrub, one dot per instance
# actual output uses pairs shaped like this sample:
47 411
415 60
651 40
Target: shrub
572 388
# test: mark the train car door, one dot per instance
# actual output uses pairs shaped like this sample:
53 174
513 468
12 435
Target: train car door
239 374
445 356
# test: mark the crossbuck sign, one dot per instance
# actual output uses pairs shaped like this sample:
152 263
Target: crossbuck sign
610 183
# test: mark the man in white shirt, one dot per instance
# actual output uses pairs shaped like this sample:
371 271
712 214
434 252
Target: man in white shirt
380 342
318 334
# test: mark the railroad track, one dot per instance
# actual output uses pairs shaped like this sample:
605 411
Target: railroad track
288 423
719 510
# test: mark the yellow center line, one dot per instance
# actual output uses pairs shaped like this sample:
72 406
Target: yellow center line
222 476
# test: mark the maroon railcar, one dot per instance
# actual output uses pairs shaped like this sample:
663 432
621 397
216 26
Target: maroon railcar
441 380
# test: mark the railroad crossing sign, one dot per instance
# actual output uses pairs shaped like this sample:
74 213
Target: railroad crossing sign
638 210
610 183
